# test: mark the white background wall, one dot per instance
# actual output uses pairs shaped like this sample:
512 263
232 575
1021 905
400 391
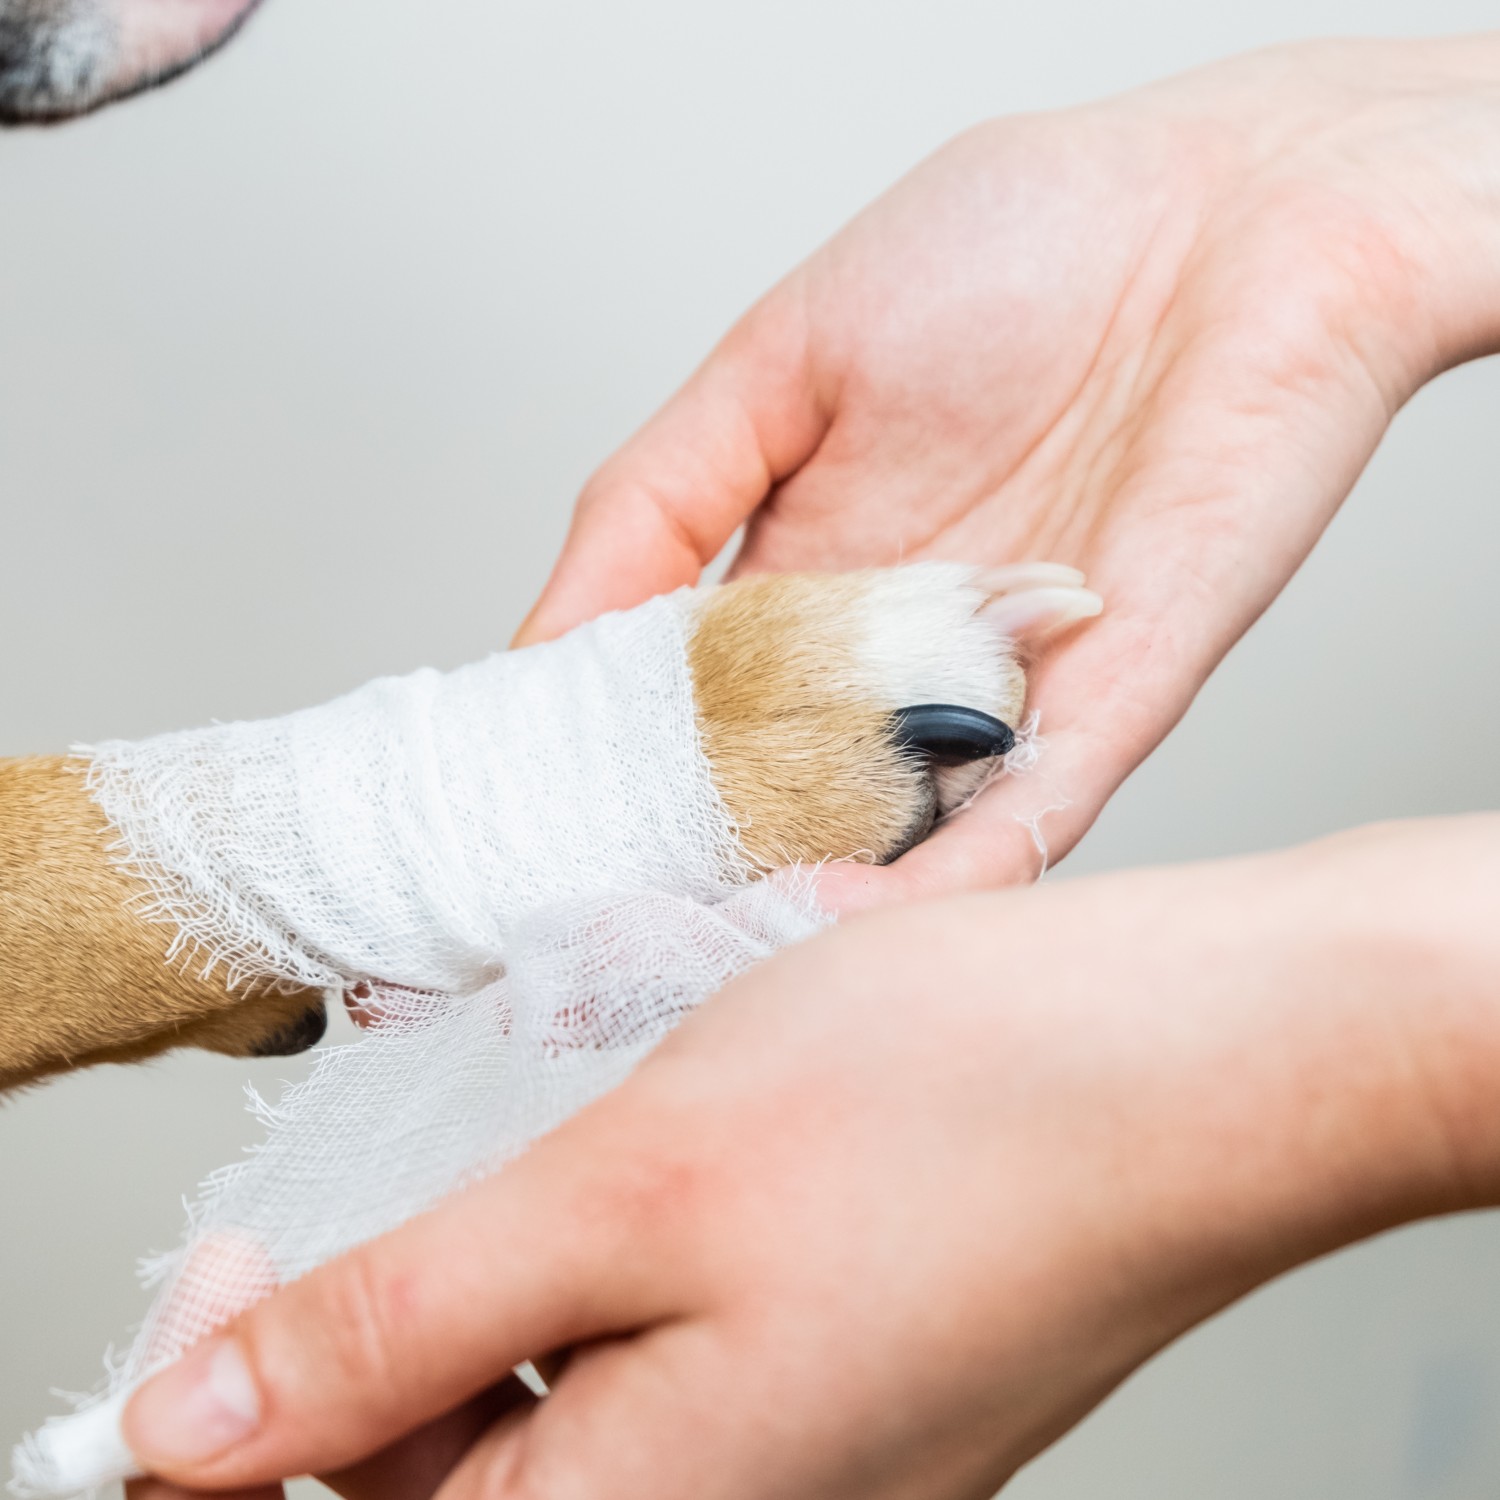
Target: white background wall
301 362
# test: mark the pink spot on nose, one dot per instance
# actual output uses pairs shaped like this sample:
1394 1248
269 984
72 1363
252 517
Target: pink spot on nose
162 36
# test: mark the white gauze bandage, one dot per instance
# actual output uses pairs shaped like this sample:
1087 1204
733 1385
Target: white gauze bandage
526 859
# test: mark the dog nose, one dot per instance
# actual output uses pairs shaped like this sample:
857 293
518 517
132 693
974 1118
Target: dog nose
54 59
16 80
306 1031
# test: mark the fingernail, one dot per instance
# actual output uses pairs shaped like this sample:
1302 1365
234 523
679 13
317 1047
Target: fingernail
195 1409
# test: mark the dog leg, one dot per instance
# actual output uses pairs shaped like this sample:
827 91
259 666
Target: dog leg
83 978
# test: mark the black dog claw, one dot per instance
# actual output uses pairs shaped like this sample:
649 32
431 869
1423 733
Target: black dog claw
947 735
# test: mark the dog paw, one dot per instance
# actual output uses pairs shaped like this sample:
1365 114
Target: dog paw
844 713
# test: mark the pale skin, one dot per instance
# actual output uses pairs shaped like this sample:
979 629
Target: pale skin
895 1211
1156 338
877 1225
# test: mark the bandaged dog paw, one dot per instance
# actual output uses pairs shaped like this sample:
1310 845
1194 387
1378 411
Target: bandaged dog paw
399 834
214 884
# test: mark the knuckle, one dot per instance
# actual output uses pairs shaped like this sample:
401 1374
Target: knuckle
654 1191
499 1480
363 1309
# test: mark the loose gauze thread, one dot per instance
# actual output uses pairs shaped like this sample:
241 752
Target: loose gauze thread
1022 761
527 857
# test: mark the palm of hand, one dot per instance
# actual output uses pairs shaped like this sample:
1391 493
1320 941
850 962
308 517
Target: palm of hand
1156 339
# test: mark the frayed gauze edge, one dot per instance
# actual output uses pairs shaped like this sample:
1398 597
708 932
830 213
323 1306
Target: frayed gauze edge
530 849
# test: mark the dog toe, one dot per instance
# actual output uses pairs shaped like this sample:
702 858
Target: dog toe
842 714
1033 614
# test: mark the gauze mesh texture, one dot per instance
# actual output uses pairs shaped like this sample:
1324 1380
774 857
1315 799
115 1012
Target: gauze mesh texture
525 859
398 833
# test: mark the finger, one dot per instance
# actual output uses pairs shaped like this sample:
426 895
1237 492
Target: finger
696 1407
161 1489
553 1251
662 508
226 1266
412 1468
1012 833
619 1422
416 1466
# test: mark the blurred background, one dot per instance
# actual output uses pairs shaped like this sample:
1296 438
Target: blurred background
301 363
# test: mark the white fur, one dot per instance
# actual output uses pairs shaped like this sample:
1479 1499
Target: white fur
904 612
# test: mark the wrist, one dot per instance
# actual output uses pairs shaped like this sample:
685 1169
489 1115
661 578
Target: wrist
1379 160
1439 139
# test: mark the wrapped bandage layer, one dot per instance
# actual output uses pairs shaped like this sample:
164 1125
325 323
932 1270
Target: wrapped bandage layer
399 833
526 859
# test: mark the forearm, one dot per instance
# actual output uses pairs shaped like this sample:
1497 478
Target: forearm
1219 1073
1404 914
1324 1061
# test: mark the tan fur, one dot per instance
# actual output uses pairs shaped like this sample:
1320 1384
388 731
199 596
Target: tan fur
83 978
804 762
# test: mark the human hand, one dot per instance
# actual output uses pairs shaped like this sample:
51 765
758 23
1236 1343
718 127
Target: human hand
894 1211
1156 338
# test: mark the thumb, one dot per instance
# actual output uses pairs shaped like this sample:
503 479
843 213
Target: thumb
661 509
368 1348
